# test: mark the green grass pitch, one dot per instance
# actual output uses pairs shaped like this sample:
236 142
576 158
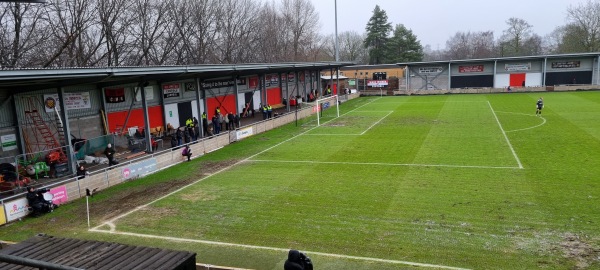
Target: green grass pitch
449 181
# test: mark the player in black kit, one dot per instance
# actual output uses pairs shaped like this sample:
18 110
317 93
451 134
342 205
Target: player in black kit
539 106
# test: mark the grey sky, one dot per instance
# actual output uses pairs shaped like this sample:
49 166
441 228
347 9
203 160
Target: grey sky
434 21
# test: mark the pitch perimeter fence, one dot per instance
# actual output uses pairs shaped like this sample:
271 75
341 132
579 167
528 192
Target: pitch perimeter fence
15 207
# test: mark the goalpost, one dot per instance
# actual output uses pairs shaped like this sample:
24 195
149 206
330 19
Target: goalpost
323 108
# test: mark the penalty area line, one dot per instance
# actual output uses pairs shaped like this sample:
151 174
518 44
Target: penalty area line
176 239
384 164
506 136
111 222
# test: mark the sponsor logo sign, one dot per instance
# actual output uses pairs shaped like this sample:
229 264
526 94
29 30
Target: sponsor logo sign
377 83
114 95
9 142
244 133
171 90
139 169
80 100
16 209
468 69
566 64
223 83
517 67
60 195
430 70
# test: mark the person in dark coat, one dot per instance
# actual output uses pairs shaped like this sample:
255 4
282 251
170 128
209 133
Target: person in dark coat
109 152
81 172
231 119
174 141
35 199
297 261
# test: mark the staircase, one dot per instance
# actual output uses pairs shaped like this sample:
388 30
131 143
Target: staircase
44 138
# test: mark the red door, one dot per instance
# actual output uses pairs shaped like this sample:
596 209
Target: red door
517 79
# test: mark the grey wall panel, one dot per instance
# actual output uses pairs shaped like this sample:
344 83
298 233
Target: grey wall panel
507 67
86 127
7 115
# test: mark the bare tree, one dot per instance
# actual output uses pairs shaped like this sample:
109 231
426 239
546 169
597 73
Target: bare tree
518 34
196 24
19 34
301 20
148 25
114 18
584 25
470 45
271 47
237 25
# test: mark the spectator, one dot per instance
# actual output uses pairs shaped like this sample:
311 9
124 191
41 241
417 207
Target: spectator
236 119
187 152
82 172
205 123
231 120
269 111
215 124
220 122
179 136
109 152
35 199
173 141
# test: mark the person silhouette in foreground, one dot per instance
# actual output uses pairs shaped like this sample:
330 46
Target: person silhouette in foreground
297 261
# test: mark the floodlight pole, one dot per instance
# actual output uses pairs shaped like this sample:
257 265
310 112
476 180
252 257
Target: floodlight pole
337 50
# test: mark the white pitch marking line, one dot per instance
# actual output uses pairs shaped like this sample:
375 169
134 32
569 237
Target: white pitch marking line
384 164
327 134
376 123
505 136
280 250
112 221
522 129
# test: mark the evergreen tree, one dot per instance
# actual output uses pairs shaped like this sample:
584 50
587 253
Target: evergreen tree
378 29
403 46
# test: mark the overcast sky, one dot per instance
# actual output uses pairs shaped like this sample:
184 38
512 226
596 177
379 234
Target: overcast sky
434 21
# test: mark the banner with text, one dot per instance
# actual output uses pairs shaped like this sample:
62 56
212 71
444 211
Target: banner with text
223 83
468 69
566 64
171 90
377 83
517 67
430 70
80 100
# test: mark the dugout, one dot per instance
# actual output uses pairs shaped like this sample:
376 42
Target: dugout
47 252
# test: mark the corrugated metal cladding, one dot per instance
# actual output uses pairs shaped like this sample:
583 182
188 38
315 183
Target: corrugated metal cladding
7 117
152 97
35 101
85 254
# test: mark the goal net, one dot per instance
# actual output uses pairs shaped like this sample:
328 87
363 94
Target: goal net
326 109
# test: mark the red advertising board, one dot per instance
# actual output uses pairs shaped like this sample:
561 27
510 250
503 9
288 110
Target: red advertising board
473 68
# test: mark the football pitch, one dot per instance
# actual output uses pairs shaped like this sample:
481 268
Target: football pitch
434 182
